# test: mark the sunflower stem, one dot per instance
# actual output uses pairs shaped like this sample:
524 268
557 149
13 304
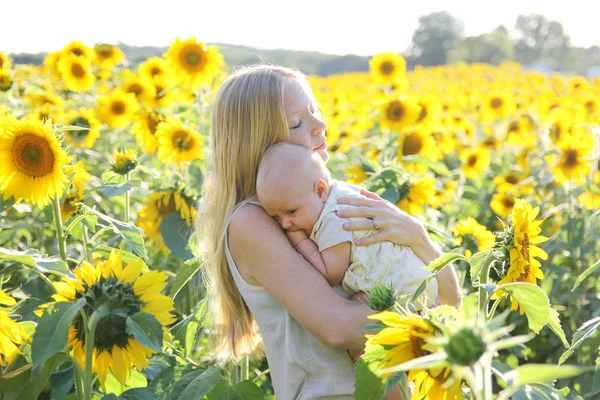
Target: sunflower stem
84 236
89 348
246 368
59 230
127 177
484 276
79 378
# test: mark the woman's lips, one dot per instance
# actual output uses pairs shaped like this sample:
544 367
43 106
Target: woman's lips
322 146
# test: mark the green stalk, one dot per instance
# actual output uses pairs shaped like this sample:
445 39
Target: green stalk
79 377
90 332
246 368
62 248
127 200
84 236
483 280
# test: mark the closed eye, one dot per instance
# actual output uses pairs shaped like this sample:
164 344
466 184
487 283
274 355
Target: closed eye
291 212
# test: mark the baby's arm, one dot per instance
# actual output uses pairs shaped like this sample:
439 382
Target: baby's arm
332 263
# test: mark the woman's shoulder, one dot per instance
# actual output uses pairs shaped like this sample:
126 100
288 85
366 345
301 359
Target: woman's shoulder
249 221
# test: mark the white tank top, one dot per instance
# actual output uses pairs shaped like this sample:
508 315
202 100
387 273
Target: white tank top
301 367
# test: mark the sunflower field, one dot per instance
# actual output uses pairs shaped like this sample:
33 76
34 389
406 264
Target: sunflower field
102 170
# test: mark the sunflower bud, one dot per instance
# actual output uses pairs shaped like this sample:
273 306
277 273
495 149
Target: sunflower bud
382 297
124 162
465 347
6 80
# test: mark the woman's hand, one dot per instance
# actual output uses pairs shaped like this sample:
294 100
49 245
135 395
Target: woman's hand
394 225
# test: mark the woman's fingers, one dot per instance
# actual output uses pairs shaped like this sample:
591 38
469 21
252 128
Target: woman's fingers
375 238
370 195
359 225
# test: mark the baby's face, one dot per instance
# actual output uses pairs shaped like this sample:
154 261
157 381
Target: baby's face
296 205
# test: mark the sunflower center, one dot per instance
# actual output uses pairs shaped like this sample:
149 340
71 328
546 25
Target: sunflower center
413 144
33 155
79 134
472 160
135 88
416 343
496 103
512 179
590 106
77 71
155 71
160 92
508 202
525 254
152 120
104 52
395 111
386 68
423 113
118 108
490 142
192 57
571 158
182 140
77 51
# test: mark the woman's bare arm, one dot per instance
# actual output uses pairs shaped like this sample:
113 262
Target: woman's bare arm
264 255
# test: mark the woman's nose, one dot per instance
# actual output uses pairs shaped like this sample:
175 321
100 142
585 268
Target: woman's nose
319 126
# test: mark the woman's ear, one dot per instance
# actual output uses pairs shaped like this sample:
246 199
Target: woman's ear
322 189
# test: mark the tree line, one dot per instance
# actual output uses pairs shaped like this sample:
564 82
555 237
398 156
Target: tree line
439 39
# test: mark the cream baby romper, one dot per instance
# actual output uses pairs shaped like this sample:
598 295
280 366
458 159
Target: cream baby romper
382 262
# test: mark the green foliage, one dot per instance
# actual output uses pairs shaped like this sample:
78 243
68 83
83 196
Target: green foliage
146 329
244 390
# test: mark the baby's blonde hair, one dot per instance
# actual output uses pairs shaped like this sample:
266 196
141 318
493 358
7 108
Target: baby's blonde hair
286 161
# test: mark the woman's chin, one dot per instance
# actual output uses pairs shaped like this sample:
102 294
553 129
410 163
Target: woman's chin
324 154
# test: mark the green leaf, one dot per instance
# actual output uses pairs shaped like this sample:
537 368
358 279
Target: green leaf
110 396
437 167
138 394
25 309
52 332
6 204
131 233
135 380
554 324
585 274
146 329
439 263
391 194
586 330
421 288
176 235
117 189
367 382
37 261
244 390
533 300
200 385
27 385
596 386
477 261
538 373
537 391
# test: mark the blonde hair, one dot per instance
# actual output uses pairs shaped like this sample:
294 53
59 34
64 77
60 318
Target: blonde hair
248 118
284 162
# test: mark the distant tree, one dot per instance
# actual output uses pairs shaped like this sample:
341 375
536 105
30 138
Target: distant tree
540 40
493 48
436 35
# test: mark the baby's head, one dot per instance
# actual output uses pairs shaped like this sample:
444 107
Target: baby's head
293 185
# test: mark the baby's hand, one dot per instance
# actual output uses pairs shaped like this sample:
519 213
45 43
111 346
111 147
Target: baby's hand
296 237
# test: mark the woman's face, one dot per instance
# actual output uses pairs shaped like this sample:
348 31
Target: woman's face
305 122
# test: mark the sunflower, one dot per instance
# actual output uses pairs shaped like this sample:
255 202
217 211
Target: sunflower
117 287
475 161
108 55
117 108
591 200
414 195
69 206
153 67
83 118
473 236
144 129
6 80
387 68
156 209
75 73
502 203
431 111
125 162
193 62
406 337
32 161
4 61
574 161
513 182
12 334
78 49
399 113
356 174
81 176
142 87
522 234
164 94
176 143
497 106
417 142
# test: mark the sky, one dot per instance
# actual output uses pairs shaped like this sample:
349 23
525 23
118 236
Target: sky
328 26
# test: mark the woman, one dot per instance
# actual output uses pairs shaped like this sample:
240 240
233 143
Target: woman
255 276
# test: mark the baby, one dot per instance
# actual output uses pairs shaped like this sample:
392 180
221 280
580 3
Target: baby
295 187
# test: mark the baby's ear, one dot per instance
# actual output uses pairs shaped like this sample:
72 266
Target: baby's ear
321 189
